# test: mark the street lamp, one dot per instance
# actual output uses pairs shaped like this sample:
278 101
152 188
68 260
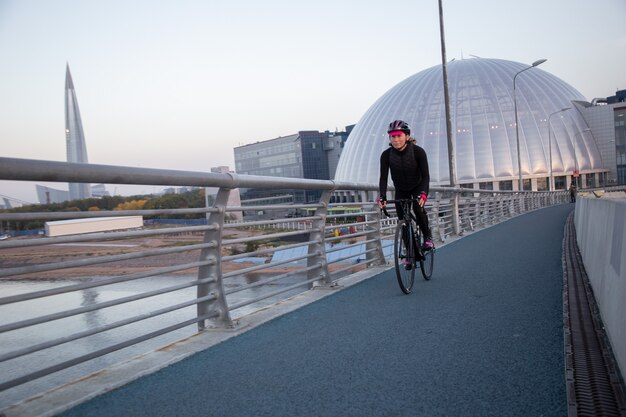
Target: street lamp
519 158
550 144
576 169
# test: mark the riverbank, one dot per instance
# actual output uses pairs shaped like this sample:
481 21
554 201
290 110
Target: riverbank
39 255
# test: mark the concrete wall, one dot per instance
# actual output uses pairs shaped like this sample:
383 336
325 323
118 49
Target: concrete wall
601 236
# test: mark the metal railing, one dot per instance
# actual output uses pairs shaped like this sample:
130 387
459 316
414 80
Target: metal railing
193 277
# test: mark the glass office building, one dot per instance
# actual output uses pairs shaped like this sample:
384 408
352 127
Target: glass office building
482 105
620 144
306 154
607 119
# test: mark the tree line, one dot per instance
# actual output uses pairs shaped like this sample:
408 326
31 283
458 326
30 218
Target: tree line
189 199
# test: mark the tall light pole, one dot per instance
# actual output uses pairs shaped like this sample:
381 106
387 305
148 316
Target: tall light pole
451 151
550 144
519 157
576 169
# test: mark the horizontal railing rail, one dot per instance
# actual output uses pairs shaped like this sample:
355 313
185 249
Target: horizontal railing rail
84 296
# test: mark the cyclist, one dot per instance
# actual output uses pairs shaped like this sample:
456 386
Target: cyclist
409 172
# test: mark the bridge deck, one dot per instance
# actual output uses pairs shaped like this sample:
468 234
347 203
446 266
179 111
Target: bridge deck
483 338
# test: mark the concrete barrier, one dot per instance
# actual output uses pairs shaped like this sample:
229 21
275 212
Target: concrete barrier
601 236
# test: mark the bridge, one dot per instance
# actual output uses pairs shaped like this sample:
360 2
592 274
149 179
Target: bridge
507 326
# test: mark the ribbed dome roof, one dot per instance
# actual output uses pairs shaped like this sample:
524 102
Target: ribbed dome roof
483 124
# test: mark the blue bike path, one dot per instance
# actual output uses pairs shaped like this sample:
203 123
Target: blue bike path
484 337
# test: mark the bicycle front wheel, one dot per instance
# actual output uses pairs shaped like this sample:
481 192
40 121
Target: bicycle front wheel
404 256
427 263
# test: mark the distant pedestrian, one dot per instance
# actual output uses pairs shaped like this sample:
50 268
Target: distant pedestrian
572 193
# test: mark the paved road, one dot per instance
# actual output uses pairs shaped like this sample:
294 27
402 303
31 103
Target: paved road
483 338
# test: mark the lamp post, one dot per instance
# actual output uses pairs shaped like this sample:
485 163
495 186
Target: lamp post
576 169
519 158
451 151
551 185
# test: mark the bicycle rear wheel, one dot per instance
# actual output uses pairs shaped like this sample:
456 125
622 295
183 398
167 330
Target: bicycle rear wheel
404 256
427 263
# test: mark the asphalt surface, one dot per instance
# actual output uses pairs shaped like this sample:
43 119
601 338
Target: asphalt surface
484 337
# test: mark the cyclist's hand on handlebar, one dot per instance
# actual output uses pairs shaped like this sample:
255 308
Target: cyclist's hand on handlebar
382 202
423 198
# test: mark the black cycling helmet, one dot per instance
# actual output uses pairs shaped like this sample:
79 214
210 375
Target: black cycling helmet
399 125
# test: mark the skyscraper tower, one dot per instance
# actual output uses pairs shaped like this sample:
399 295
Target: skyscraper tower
74 136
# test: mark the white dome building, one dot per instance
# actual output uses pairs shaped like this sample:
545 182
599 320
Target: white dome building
483 126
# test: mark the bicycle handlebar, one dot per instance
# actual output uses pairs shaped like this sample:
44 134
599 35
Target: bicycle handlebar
401 200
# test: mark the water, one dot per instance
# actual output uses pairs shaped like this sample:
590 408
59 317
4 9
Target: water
13 340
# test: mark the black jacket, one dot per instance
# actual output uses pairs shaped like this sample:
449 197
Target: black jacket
409 169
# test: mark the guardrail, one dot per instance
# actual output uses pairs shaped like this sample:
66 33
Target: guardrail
215 274
600 221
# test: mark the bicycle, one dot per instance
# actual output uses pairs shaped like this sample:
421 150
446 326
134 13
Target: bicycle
408 249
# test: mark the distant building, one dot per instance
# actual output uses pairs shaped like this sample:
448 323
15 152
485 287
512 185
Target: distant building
306 154
74 136
76 150
222 169
234 198
606 118
179 190
334 149
496 128
5 203
48 195
98 190
619 97
92 225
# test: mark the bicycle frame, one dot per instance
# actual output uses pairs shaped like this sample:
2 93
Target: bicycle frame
409 217
408 250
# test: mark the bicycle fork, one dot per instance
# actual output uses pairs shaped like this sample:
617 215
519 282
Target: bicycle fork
413 252
418 253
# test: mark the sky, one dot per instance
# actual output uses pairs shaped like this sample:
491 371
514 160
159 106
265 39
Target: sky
179 84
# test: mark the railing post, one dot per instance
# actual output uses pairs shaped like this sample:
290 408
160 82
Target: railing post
487 208
495 215
524 207
504 208
374 249
470 210
480 210
456 224
499 207
435 213
214 270
317 242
